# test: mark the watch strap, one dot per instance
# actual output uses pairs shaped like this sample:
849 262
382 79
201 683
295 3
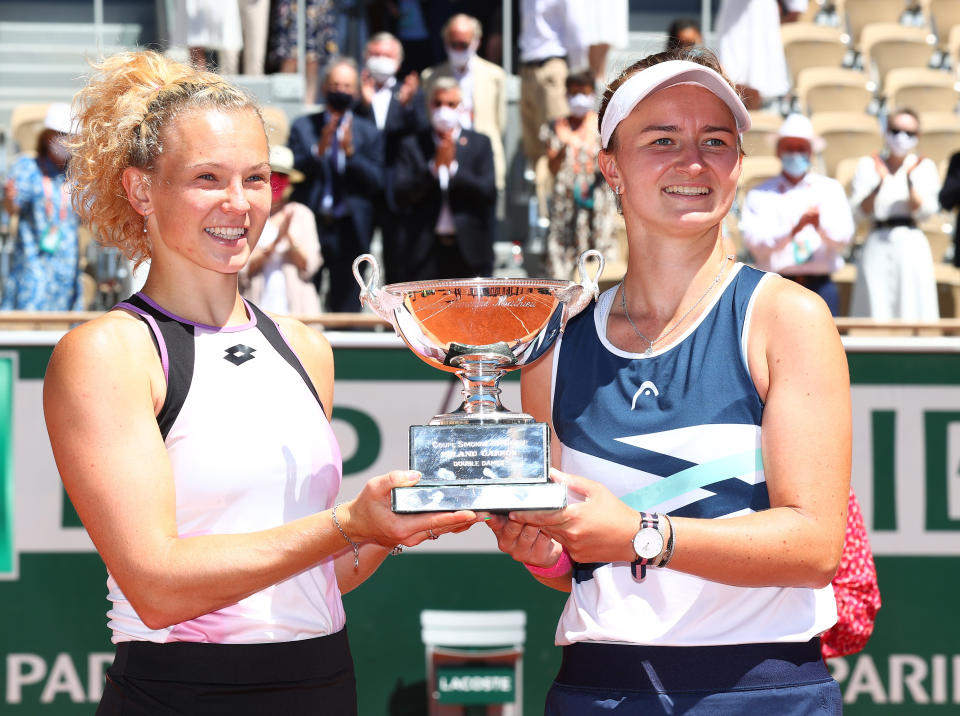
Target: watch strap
671 540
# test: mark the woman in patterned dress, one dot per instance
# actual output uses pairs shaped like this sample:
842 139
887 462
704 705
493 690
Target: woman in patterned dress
582 210
45 269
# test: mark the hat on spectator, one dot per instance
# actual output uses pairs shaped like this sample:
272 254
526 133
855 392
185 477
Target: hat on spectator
58 118
281 161
799 126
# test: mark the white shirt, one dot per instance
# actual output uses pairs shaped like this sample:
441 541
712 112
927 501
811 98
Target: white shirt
773 209
465 78
893 197
444 174
381 102
548 28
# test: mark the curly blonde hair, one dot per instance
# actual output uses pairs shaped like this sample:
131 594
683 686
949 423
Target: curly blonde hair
121 114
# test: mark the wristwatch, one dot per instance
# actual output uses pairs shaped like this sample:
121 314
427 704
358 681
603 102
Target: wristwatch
649 540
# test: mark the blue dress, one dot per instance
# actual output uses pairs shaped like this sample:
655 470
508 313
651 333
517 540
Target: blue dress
45 266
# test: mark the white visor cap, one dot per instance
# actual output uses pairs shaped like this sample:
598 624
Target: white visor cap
661 76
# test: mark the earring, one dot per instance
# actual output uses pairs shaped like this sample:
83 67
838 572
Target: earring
145 223
617 200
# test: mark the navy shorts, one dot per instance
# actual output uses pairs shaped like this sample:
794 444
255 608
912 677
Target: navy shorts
786 679
294 678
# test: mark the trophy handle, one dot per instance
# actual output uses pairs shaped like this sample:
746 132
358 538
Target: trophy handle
587 290
591 286
371 293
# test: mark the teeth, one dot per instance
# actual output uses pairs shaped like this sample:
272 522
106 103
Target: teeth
687 190
226 232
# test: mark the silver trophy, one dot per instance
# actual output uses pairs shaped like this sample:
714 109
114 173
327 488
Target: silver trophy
481 456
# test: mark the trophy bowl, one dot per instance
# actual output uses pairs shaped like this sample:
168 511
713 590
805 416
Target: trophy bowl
482 456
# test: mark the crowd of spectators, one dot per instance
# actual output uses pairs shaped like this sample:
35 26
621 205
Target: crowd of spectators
403 139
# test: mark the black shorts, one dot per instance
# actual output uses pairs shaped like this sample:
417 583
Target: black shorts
294 678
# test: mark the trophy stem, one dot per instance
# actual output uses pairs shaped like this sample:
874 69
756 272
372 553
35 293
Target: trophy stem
480 376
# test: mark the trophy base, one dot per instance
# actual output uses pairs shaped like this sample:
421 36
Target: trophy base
480 497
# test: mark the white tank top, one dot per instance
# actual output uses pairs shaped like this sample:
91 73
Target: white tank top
251 449
677 432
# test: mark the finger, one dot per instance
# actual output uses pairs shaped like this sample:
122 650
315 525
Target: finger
403 478
540 518
575 483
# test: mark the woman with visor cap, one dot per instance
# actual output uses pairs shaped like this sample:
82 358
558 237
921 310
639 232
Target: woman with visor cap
701 424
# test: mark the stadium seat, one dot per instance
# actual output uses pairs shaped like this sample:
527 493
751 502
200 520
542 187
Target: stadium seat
26 123
944 16
808 45
889 45
939 135
847 134
939 232
860 13
921 89
834 89
757 170
277 124
845 170
953 46
761 138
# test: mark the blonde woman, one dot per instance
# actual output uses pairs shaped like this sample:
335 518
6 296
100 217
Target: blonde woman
192 431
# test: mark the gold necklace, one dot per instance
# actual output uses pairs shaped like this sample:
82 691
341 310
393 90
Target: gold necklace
623 304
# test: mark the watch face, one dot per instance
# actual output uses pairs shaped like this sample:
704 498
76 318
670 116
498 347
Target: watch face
648 543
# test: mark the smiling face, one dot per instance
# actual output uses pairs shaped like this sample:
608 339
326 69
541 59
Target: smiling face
209 193
676 160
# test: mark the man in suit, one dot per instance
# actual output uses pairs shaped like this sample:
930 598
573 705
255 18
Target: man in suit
482 84
446 176
398 108
341 156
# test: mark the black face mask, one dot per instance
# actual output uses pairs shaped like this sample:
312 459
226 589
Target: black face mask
339 101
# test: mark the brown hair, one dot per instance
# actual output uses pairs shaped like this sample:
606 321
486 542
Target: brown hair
700 55
122 112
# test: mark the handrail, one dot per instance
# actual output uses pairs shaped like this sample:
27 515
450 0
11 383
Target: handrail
62 320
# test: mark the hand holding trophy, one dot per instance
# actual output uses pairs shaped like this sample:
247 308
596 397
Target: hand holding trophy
482 456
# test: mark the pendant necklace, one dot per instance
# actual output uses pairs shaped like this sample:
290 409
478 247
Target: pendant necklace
623 304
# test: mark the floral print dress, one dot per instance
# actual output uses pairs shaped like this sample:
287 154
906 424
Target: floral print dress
45 264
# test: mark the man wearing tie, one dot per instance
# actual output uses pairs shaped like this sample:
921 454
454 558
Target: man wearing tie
446 176
341 156
398 108
482 84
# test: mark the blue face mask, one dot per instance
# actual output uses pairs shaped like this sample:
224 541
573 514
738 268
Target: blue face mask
796 164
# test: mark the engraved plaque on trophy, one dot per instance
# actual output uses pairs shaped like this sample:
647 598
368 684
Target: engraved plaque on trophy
481 456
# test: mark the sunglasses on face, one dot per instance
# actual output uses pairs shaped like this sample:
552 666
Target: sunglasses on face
459 46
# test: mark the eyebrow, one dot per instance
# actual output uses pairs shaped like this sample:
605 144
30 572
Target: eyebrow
675 128
217 165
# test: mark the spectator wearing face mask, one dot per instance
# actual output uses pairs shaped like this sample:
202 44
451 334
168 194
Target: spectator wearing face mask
896 190
446 176
279 274
799 224
341 157
44 269
482 85
582 210
398 109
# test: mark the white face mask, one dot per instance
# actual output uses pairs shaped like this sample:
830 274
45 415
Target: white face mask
900 143
580 104
460 58
445 119
382 68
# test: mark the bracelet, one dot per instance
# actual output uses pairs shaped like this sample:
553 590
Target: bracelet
356 547
562 566
671 541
